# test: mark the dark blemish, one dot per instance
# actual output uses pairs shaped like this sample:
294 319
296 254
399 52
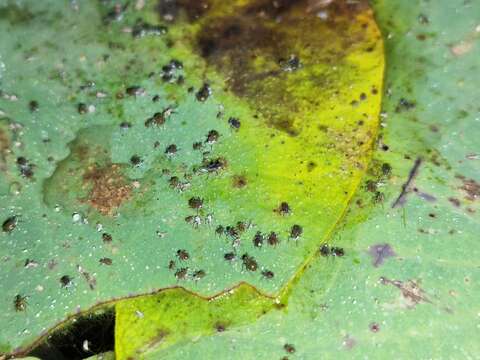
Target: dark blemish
33 106
311 166
136 160
105 261
363 96
107 238
229 256
25 167
267 274
156 98
349 342
212 137
239 181
258 239
249 262
404 105
471 188
197 145
385 147
195 203
135 91
171 149
421 37
296 231
10 224
82 108
171 265
174 182
183 255
406 186
289 348
234 123
198 275
432 215
455 202
65 281
410 289
374 327
380 252
273 239
141 29
181 274
20 303
204 92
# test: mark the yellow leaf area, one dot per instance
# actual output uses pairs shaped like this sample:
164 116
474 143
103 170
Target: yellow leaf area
305 78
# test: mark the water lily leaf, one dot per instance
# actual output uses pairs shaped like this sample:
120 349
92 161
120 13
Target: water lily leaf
143 149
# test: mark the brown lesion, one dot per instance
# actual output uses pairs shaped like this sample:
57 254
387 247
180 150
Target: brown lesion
251 43
108 188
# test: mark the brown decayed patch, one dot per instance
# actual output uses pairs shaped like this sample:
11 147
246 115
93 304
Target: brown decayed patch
255 45
410 289
471 188
108 188
4 148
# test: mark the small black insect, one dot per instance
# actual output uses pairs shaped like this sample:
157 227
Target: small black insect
212 137
296 231
284 209
183 255
135 91
289 348
204 92
234 123
232 232
194 220
171 265
10 224
107 238
82 108
135 160
324 250
197 145
65 281
214 165
181 274
219 230
241 227
159 118
20 303
249 262
106 261
229 256
33 106
267 274
199 274
273 239
337 251
195 203
258 239
171 149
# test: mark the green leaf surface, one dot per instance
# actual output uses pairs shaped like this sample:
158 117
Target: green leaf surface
120 165
406 287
